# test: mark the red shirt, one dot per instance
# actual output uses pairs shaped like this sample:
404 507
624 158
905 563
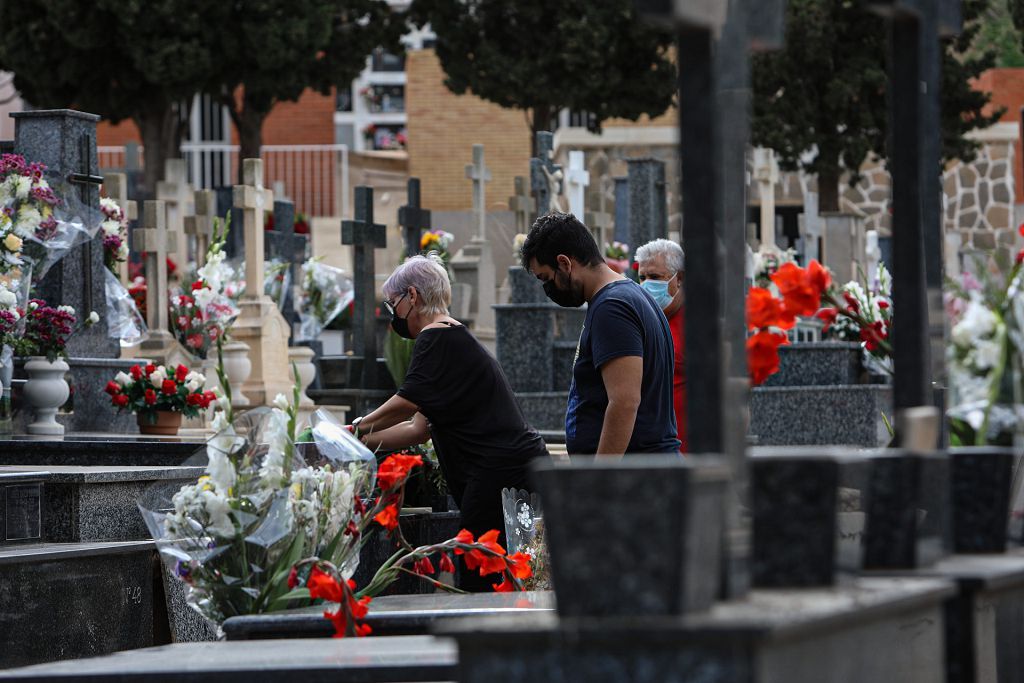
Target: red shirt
675 324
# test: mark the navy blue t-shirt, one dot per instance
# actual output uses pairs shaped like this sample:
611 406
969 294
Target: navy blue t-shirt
623 320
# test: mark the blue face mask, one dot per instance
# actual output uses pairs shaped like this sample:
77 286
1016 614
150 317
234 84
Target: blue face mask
658 289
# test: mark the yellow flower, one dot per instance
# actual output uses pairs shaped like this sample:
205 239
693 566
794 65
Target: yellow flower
427 238
12 242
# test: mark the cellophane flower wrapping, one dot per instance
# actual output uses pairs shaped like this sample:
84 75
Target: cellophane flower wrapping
262 504
277 278
325 292
124 321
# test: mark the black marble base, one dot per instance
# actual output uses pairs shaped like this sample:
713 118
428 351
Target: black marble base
65 601
21 506
419 529
80 449
873 630
980 480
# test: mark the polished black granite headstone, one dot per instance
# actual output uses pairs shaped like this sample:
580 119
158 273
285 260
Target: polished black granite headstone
64 601
403 658
980 480
636 536
807 515
390 615
908 510
419 528
21 506
78 449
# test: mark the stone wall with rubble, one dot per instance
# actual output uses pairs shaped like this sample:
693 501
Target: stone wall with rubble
978 197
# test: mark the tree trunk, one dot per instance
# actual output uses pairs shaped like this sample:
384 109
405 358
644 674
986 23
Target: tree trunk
540 121
828 189
249 123
159 127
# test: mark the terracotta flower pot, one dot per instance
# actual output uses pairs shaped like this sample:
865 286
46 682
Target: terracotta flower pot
159 423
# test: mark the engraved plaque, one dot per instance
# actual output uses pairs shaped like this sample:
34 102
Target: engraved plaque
22 512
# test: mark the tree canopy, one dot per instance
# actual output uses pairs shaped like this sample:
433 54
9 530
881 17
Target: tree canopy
825 90
541 57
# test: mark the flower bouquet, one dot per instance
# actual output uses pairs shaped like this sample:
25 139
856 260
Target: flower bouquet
48 330
862 312
277 279
326 291
768 260
616 255
278 522
151 391
115 234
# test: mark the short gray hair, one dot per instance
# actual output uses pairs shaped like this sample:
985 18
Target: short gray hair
672 252
430 278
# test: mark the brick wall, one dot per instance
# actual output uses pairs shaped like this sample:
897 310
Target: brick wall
443 127
1007 88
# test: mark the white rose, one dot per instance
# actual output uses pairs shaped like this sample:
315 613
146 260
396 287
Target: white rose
70 310
94 317
111 227
8 299
193 385
123 379
158 376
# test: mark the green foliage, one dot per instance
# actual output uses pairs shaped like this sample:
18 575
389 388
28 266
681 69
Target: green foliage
826 88
996 29
541 56
397 354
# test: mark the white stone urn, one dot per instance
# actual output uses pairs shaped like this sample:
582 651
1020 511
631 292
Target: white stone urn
237 367
302 358
46 390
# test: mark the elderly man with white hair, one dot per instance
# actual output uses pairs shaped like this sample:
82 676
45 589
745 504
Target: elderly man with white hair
455 393
660 267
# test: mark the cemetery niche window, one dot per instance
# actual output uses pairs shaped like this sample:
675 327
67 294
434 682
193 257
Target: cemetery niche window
385 61
343 100
384 99
385 137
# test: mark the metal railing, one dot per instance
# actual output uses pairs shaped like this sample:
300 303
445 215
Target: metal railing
315 177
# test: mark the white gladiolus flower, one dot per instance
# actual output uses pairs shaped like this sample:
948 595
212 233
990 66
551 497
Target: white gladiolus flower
221 470
8 299
219 512
987 353
978 322
281 403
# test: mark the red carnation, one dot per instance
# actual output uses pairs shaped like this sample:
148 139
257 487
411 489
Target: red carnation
181 373
120 400
169 387
150 397
113 388
136 372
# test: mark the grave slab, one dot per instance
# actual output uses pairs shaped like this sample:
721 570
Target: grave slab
771 636
391 615
818 363
108 450
21 506
402 658
829 415
65 601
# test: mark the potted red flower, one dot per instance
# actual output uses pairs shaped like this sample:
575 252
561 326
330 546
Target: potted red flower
160 396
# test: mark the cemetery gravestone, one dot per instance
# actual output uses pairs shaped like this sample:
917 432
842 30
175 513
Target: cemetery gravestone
522 205
577 179
545 174
413 218
285 245
176 193
474 263
622 212
766 173
259 325
648 212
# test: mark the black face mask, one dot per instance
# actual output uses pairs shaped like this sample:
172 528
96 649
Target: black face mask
567 297
401 325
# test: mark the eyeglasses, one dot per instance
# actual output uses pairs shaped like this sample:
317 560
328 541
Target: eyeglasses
390 307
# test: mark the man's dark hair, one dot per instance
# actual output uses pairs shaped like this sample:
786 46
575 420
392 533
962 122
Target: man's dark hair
559 233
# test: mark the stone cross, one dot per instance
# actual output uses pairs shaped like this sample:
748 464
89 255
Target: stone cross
115 186
156 242
176 193
253 199
577 179
65 141
766 173
413 218
364 236
199 226
544 173
260 324
522 205
914 80
480 175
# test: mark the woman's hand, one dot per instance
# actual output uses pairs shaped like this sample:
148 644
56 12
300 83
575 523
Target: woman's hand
403 435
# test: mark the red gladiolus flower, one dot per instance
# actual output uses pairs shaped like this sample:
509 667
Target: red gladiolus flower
120 400
764 310
395 469
323 586
1020 254
851 302
763 355
505 586
828 316
169 387
464 537
487 563
519 565
293 578
113 388
150 397
800 288
873 334
446 565
388 517
181 373
424 566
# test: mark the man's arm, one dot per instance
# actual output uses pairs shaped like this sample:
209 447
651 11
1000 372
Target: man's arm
622 379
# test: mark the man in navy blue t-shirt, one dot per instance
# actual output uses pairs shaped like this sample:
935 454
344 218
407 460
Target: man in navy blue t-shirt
620 400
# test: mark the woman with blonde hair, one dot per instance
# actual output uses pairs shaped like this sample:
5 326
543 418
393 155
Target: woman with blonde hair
456 393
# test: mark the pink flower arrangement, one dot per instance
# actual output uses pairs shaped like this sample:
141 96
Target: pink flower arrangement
48 330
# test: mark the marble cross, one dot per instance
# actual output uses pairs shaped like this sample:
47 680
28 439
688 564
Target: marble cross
577 179
364 236
156 242
480 175
199 227
176 192
766 173
413 218
253 199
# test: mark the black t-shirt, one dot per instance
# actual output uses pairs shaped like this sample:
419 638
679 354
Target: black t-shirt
623 320
477 425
